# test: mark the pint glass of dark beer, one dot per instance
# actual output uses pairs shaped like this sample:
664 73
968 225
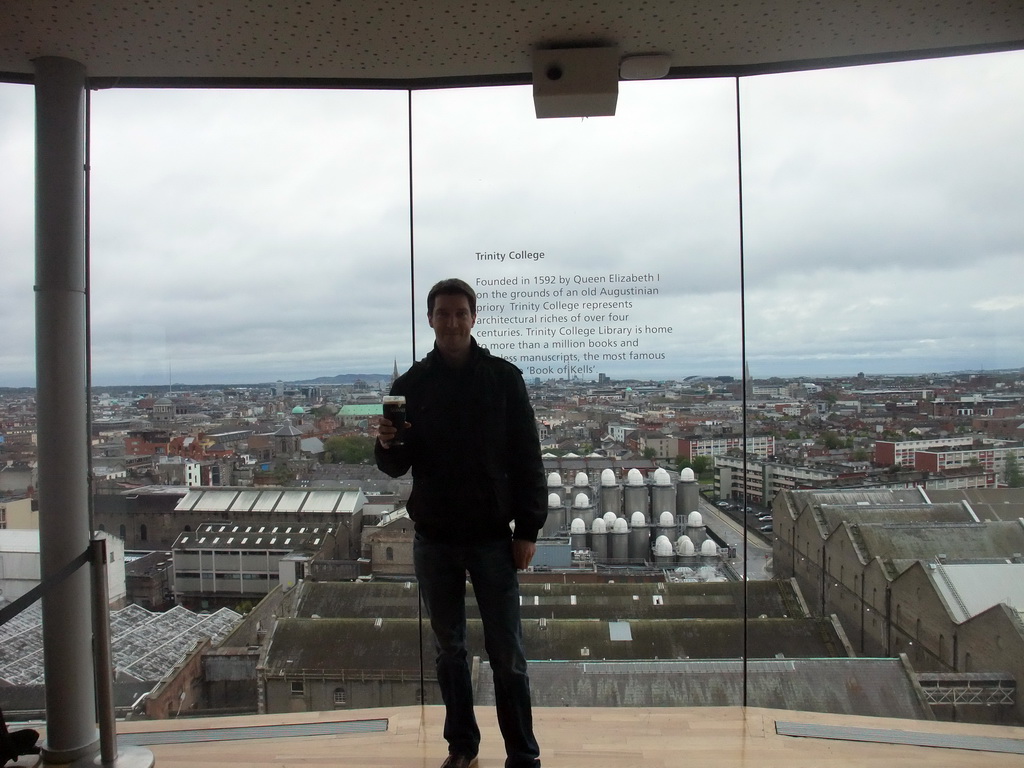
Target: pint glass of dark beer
394 411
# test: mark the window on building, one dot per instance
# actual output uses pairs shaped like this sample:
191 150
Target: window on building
340 697
298 688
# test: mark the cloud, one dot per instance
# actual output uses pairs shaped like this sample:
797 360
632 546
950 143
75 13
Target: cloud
256 235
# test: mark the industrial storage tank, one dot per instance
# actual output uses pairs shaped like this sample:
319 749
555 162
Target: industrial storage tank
635 495
663 493
611 493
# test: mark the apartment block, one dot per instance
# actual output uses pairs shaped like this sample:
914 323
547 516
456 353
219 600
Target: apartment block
758 445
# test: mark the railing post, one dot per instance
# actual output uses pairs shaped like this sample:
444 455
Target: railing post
102 652
110 756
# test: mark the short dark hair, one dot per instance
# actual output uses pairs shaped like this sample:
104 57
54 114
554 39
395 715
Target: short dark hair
452 286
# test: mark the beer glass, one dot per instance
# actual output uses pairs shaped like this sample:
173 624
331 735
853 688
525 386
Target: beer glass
394 411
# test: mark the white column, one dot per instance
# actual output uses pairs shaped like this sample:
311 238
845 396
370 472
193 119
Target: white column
61 387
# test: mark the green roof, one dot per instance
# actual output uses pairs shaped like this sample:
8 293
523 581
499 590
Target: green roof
374 409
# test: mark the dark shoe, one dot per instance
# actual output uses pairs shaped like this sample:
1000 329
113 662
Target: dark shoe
459 761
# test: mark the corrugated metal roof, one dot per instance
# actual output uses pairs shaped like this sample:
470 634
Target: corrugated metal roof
266 501
13 541
316 644
924 541
244 501
607 602
291 501
869 687
189 501
216 501
970 589
834 515
322 501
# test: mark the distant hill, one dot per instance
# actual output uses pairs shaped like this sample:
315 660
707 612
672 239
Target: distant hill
345 378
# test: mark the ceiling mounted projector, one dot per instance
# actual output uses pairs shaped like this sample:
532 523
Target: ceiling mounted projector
576 82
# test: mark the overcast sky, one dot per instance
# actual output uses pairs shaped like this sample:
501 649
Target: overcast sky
250 236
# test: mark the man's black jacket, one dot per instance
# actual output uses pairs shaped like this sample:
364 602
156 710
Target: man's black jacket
473 449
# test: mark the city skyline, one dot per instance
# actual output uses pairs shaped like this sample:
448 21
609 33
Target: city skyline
331 380
265 235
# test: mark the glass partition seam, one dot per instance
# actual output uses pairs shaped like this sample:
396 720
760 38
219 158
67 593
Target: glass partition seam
89 479
743 378
412 323
412 234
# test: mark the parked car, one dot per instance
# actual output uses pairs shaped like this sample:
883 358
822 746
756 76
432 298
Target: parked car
765 517
766 528
723 505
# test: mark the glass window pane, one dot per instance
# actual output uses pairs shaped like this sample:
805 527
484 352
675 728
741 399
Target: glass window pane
605 255
883 261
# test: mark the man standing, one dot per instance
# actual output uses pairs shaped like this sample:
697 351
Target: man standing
471 442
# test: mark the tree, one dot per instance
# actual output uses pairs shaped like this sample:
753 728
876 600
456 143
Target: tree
348 449
861 454
832 440
650 453
702 464
1014 477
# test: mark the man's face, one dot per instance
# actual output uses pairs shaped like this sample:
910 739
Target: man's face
452 322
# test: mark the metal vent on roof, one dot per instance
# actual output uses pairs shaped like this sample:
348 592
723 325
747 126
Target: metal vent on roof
619 632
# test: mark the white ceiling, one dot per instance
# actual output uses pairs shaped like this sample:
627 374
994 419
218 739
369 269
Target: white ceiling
394 43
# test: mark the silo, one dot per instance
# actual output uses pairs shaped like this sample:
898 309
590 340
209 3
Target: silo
684 546
555 486
582 508
578 535
620 540
599 540
667 526
555 522
688 493
635 496
663 493
709 548
581 484
695 528
611 493
639 537
663 554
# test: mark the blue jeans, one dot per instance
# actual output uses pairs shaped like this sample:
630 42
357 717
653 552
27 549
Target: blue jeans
441 570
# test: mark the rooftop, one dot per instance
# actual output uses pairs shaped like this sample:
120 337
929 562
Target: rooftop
146 645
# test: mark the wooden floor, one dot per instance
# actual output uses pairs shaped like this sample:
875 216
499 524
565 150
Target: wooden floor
732 737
